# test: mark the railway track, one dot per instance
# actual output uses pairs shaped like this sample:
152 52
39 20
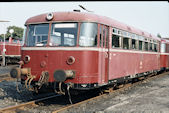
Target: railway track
69 107
5 77
20 107
108 92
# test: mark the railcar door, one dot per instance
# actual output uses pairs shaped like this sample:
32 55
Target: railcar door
104 54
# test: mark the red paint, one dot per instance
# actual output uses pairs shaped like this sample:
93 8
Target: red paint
92 66
85 65
12 49
82 16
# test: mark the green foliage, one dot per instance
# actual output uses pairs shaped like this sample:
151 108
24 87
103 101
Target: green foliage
18 32
158 35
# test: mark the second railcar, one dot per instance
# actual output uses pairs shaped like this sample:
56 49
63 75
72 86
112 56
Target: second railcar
164 58
12 51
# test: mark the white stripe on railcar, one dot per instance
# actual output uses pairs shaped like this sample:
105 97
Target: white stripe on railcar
86 49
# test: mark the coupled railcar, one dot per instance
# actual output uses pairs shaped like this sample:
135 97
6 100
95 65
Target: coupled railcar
84 51
12 53
164 58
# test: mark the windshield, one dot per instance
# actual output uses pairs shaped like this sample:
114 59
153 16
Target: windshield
23 38
63 34
37 35
88 34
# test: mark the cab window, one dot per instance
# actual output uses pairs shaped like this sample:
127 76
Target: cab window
63 34
88 34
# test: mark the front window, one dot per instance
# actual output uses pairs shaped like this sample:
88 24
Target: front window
24 35
37 35
63 34
88 34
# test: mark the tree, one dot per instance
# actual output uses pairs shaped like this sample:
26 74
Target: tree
158 35
18 32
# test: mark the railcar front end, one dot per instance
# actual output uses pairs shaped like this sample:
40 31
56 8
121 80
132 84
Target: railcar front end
59 54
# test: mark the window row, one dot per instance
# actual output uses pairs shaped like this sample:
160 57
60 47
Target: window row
62 34
129 43
123 33
91 35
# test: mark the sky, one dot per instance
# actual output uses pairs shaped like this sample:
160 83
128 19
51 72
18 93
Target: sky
151 16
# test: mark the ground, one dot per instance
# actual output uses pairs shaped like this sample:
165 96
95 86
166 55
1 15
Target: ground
149 97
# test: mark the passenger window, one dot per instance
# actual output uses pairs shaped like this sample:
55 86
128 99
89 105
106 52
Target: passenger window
104 31
151 47
125 43
100 36
114 30
155 47
119 32
115 41
146 46
140 45
124 33
107 37
134 44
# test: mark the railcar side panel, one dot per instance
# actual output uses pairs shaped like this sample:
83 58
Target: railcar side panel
126 63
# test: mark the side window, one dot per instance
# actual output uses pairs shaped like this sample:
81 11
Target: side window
140 45
115 41
155 47
133 43
104 31
146 46
114 30
100 35
151 46
125 43
107 37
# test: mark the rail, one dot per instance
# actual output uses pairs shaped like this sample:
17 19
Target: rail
20 106
110 91
105 94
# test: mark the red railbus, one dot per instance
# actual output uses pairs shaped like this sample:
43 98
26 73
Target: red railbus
84 51
13 51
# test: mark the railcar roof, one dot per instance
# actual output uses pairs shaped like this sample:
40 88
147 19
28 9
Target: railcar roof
88 17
